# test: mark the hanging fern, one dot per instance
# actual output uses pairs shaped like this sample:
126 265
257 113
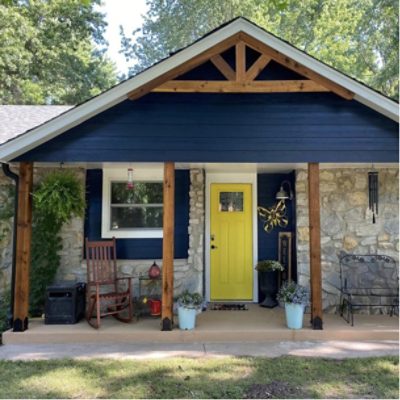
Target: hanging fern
58 198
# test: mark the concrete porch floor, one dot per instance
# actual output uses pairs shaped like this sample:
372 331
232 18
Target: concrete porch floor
255 325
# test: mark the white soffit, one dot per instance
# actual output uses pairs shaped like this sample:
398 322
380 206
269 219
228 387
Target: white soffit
119 93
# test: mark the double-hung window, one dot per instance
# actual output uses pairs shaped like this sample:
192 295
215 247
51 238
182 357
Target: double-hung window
132 212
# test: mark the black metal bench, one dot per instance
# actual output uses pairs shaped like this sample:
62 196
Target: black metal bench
367 281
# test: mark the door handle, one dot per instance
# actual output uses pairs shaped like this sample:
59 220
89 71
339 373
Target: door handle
213 247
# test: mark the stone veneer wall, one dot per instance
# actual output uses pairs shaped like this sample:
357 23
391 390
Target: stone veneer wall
188 273
345 223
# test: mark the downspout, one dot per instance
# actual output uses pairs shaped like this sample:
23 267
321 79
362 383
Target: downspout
15 178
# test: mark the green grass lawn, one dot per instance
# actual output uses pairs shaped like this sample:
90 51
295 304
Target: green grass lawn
228 377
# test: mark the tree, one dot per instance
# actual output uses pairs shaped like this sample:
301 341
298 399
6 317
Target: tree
52 52
357 37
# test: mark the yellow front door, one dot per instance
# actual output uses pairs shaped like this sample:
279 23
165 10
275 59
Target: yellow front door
231 242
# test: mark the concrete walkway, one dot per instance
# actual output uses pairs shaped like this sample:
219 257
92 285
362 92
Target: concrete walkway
327 349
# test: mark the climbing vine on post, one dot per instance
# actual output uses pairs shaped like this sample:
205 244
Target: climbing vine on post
56 200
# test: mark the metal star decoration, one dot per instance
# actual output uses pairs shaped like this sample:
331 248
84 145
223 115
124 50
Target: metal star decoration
273 216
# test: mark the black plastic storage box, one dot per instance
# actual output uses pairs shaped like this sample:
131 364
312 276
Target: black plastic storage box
65 303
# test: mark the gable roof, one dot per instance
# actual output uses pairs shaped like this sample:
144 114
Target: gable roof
159 73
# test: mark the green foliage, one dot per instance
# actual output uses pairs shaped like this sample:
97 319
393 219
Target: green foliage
269 265
358 37
190 300
219 377
58 198
6 209
5 299
291 292
47 52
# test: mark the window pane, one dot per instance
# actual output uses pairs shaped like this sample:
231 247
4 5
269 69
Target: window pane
142 193
136 217
231 201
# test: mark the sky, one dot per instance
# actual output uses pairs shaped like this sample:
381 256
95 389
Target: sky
127 13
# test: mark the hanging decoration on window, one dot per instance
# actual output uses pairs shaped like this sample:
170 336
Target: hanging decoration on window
373 193
274 216
130 185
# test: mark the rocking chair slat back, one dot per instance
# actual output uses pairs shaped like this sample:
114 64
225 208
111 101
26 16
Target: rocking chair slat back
101 261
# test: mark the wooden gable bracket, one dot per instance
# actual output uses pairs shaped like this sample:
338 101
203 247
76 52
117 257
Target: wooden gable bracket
241 80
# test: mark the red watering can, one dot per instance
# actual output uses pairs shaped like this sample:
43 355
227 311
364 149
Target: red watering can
155 307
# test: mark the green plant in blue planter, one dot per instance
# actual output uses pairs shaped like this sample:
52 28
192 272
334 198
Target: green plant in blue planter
295 298
268 279
188 306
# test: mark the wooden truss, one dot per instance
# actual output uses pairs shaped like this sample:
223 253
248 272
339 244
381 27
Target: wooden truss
239 79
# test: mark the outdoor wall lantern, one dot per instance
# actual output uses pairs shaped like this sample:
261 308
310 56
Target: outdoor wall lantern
283 194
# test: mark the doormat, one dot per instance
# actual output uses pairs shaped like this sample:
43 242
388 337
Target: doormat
228 307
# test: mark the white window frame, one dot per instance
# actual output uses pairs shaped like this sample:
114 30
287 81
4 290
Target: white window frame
121 174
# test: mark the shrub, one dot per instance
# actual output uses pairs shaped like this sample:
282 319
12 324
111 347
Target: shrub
269 265
190 300
291 292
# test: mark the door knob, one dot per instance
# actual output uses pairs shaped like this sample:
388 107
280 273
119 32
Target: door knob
213 247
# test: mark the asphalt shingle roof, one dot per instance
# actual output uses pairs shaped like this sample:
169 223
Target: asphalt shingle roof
15 119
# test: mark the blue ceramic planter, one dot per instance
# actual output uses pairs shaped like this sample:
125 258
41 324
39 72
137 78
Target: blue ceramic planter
187 318
294 315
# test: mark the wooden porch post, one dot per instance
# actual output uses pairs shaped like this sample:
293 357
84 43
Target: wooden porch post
168 247
315 245
23 249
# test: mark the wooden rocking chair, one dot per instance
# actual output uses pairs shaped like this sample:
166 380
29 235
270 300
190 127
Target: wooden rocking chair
103 284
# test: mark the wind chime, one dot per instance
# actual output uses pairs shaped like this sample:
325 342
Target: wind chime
373 193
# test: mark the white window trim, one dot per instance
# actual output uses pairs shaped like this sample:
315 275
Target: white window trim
120 174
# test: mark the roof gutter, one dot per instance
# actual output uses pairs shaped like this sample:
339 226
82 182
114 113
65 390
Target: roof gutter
15 178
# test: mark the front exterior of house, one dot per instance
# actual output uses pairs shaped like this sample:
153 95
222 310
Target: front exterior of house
220 127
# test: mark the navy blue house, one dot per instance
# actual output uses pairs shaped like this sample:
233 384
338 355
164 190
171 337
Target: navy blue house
212 134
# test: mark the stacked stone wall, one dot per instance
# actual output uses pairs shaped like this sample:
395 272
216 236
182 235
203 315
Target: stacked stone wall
188 273
346 223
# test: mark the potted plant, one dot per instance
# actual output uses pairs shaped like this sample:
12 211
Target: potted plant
268 279
295 298
188 306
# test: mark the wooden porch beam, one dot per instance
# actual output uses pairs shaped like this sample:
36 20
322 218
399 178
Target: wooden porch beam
241 87
315 245
23 247
223 67
240 61
257 67
295 66
185 67
168 247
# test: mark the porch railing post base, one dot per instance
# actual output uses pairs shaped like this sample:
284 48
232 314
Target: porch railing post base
19 325
166 325
317 324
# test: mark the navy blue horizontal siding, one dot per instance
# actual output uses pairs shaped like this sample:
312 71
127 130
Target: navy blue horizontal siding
297 127
139 248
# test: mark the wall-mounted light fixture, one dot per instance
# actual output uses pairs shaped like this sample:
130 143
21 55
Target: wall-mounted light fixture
285 194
